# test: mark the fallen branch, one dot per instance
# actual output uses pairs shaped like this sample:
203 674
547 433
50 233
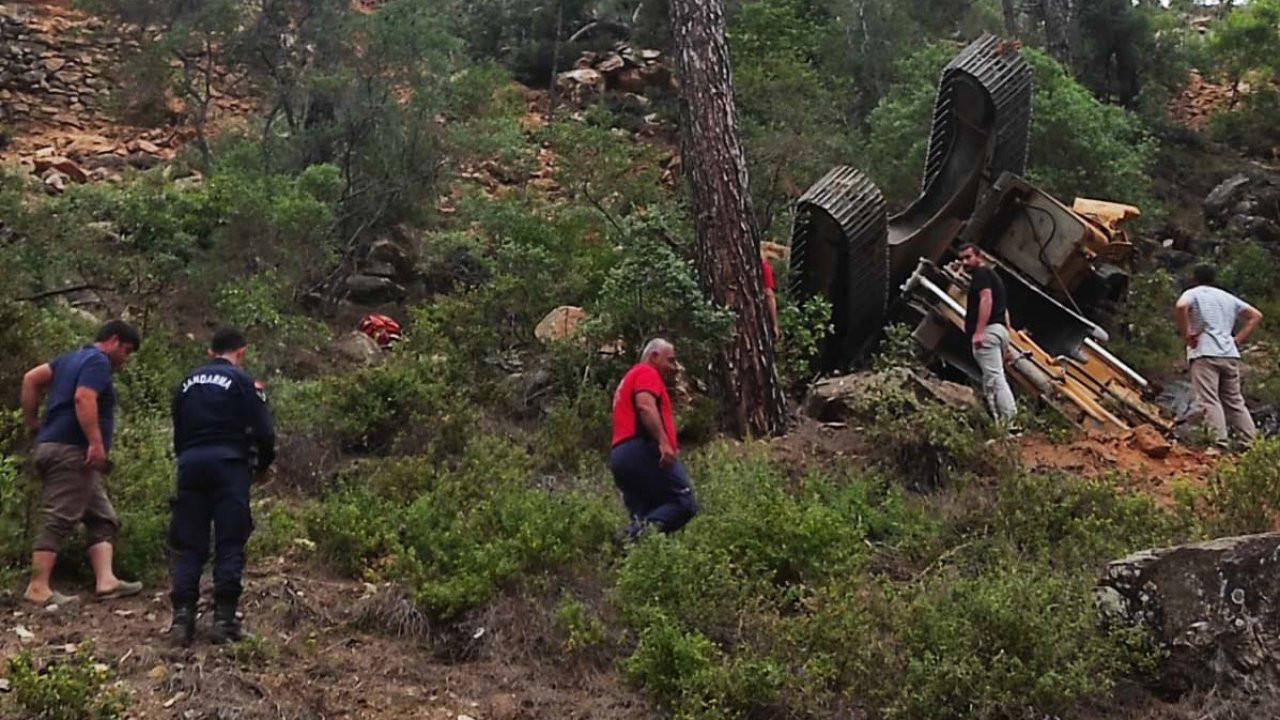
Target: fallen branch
61 291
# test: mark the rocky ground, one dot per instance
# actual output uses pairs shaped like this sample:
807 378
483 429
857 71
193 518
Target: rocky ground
327 648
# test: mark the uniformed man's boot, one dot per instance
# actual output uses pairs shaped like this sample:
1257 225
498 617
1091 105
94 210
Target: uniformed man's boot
226 627
183 629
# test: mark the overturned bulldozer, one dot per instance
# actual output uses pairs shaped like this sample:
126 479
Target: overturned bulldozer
1063 267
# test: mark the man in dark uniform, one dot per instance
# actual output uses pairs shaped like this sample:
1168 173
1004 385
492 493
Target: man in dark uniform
223 435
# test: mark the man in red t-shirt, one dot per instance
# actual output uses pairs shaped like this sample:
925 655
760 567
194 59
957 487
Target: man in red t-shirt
770 299
654 485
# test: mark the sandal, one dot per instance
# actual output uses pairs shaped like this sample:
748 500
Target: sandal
56 599
124 589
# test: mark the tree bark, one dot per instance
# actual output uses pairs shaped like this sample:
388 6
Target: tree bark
1058 18
729 264
1010 9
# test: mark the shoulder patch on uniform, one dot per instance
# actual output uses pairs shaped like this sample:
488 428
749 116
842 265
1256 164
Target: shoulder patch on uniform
260 390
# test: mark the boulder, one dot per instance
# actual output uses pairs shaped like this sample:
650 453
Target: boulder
373 290
844 397
612 62
1148 440
358 347
1173 259
54 182
580 83
107 161
62 165
1259 228
1213 609
1225 195
560 323
144 160
380 269
384 253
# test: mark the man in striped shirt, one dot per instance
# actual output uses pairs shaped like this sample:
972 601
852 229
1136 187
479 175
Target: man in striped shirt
1207 319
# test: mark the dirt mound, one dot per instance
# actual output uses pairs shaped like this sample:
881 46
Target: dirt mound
1122 458
1131 461
313 661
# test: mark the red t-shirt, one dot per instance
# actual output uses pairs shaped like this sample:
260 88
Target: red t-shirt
768 275
642 377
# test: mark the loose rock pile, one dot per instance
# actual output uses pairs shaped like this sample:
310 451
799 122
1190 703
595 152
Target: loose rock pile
54 69
1246 205
624 69
1198 102
57 77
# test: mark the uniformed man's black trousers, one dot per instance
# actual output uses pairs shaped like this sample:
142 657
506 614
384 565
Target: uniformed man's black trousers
210 492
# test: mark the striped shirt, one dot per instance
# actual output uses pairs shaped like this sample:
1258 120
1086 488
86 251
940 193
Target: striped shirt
1212 315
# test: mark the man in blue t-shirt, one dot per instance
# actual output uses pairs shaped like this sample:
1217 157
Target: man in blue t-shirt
72 443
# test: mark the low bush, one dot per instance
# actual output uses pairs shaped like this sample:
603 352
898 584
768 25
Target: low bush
412 402
140 487
1244 492
580 629
75 687
1013 640
1151 348
794 595
1252 126
467 531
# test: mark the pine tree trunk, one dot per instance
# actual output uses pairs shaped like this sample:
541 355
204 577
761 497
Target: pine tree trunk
1010 9
1058 18
728 247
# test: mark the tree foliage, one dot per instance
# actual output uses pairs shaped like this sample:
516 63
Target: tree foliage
1079 146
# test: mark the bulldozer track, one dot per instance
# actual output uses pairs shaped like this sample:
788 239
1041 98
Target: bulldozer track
846 248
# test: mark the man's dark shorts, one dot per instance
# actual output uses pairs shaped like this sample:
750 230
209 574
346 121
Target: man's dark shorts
71 493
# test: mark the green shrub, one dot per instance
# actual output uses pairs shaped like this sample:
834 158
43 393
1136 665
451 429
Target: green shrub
468 530
480 526
652 292
689 675
411 401
1249 271
925 442
581 629
261 305
757 543
1244 46
576 430
1146 343
1013 641
19 505
140 487
70 688
1075 523
357 531
1244 492
790 595
277 526
1251 126
803 328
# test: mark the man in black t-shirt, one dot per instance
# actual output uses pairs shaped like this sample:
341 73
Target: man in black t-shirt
986 322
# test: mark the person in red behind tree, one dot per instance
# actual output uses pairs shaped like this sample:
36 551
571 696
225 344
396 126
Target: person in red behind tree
770 300
654 485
